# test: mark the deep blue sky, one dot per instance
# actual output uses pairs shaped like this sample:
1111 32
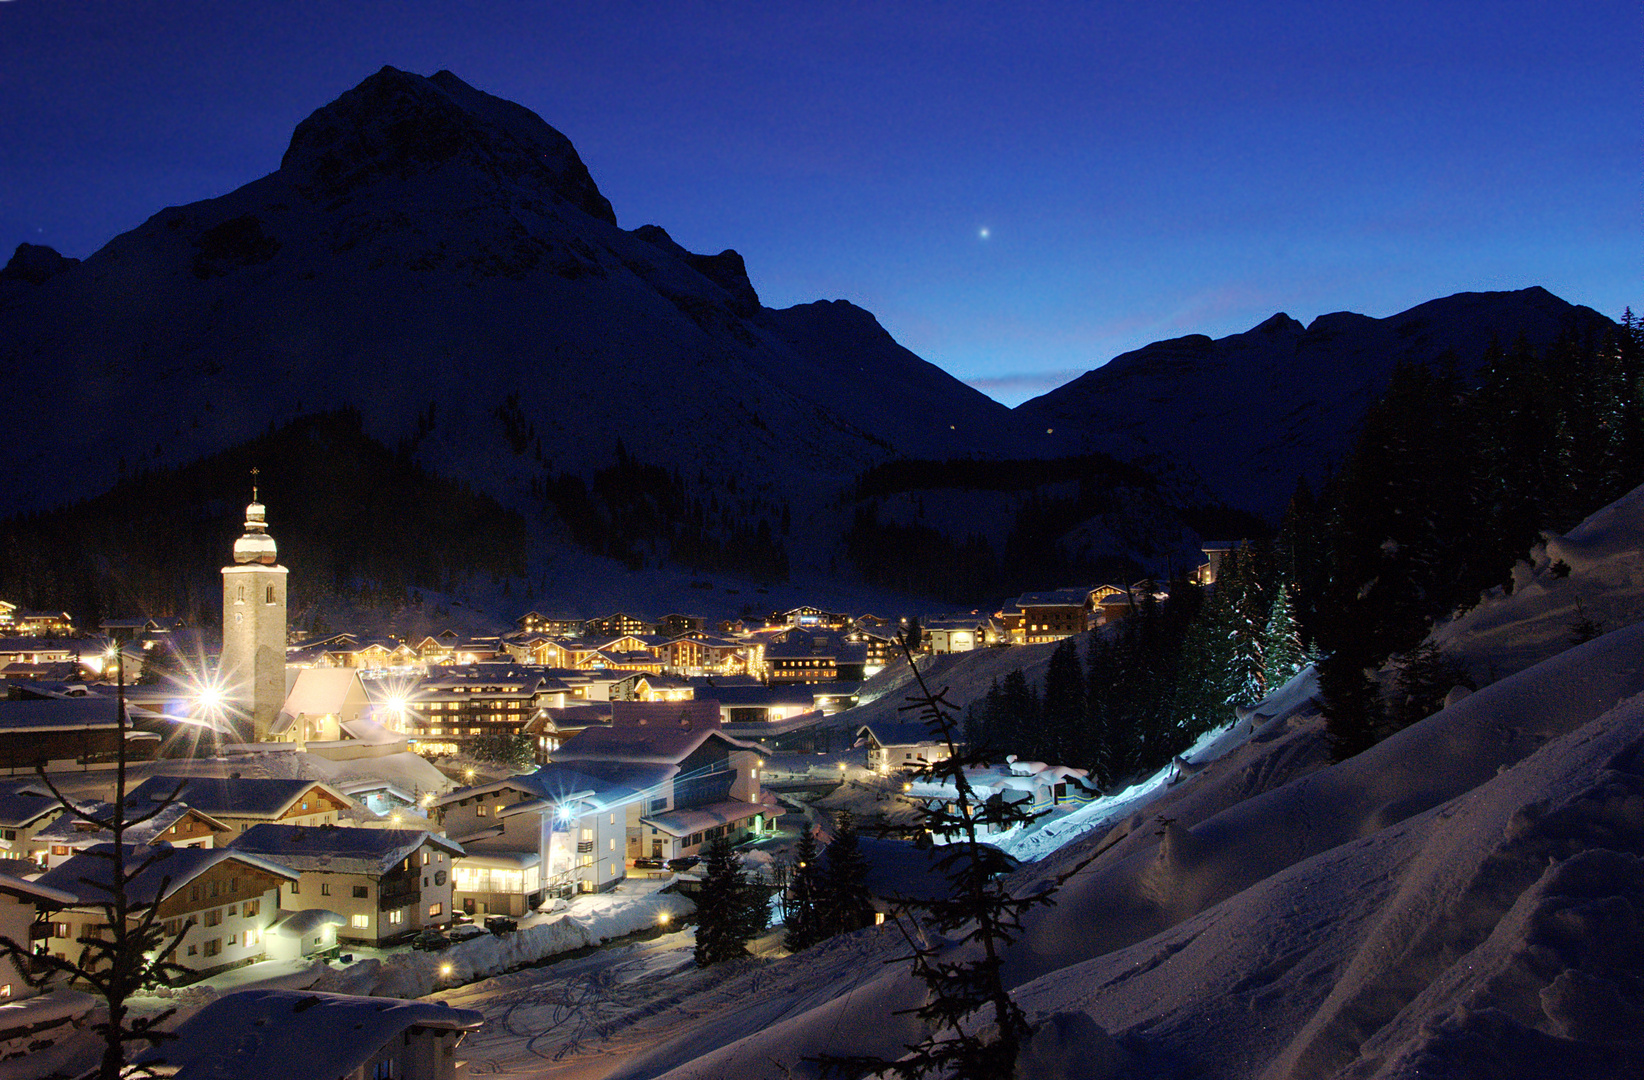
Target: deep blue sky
1140 171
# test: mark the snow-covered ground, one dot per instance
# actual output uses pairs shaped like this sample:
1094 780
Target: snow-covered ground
1464 899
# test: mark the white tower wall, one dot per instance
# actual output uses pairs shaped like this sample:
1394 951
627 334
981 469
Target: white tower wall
252 666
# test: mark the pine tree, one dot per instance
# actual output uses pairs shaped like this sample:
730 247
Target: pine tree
1282 648
983 916
846 905
1064 718
806 895
731 910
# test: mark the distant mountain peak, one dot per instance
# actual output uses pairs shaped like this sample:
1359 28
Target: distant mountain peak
396 123
1279 324
35 263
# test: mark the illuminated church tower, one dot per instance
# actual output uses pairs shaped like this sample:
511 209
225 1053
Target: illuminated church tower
252 667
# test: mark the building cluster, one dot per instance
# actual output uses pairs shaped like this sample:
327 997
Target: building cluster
650 740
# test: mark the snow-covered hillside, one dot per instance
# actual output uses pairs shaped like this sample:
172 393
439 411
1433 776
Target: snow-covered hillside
1464 899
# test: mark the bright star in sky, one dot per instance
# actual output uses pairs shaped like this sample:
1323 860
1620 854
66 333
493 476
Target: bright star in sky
983 232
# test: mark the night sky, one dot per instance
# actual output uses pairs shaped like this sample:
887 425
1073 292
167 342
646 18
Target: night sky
1018 191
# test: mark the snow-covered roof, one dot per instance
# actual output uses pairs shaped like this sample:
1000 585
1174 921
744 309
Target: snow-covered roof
499 858
323 691
233 796
279 1034
22 809
337 849
76 832
677 730
88 876
899 733
301 923
59 714
701 818
33 890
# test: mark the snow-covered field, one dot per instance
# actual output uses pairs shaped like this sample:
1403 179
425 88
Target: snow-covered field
1464 899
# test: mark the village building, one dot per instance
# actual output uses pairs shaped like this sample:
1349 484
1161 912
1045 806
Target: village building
1032 786
173 825
616 625
812 618
26 809
674 624
304 1033
19 622
805 656
1214 552
900 745
225 899
534 622
445 712
645 686
954 633
1054 615
39 1027
320 704
67 732
552 832
387 883
239 802
694 782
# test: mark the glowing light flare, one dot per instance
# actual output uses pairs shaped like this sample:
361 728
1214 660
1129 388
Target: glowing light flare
663 919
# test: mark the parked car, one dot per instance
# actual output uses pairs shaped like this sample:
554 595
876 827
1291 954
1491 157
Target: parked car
683 863
430 940
461 918
647 863
464 933
501 924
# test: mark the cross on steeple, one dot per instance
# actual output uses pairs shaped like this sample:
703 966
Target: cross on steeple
254 471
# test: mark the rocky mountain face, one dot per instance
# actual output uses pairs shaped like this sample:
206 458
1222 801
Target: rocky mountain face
1250 413
440 260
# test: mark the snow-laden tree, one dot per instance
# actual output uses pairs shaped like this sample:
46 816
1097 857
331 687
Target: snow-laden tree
1282 648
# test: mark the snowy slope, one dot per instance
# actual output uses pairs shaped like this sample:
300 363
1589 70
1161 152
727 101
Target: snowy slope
1463 899
1604 582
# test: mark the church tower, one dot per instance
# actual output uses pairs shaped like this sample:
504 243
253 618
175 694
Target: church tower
252 667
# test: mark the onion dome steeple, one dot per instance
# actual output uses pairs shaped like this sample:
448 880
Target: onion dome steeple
256 546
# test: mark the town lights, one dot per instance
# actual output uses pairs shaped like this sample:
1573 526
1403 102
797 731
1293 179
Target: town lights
446 969
663 919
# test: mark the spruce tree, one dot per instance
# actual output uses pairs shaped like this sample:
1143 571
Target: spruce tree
846 905
1282 647
982 916
1064 717
806 895
731 909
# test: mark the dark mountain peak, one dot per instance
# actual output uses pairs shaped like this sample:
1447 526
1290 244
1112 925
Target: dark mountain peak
1279 324
398 124
34 263
727 270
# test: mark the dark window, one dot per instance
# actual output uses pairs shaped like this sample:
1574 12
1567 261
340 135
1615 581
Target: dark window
362 892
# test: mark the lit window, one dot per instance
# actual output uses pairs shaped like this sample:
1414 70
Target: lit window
435 910
396 917
359 922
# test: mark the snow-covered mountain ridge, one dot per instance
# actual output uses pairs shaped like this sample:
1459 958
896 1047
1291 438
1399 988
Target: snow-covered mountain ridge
1251 412
441 260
